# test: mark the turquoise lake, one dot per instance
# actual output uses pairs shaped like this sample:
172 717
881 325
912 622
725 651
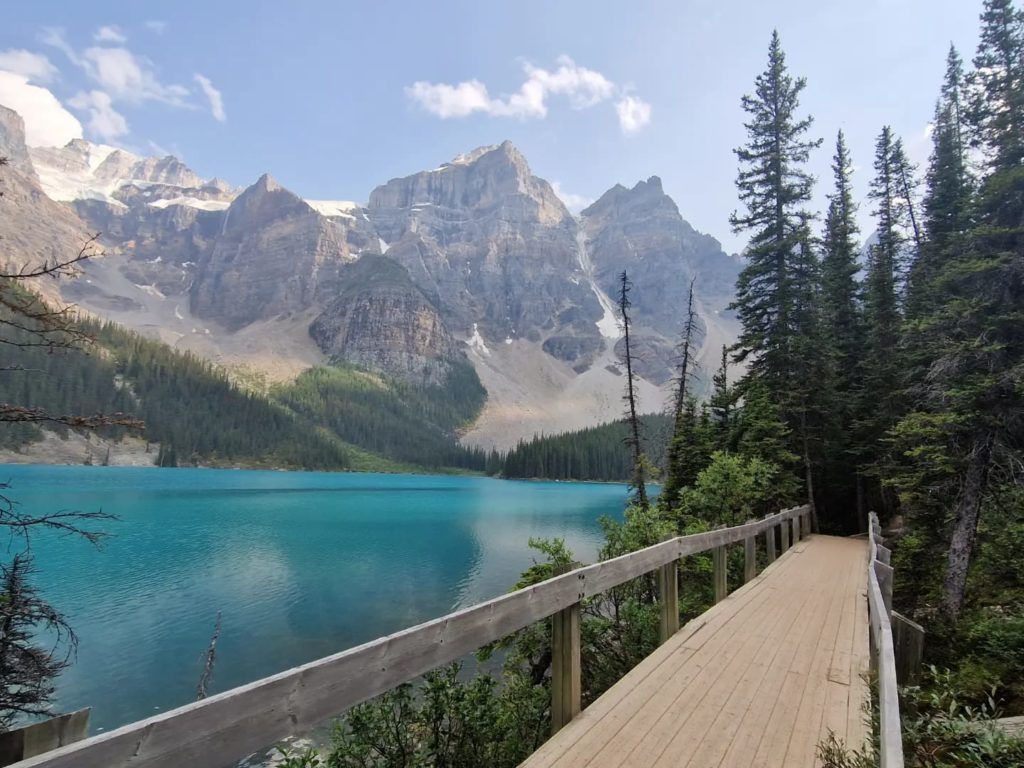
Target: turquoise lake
300 564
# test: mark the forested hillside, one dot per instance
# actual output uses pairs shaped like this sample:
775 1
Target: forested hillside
331 418
392 418
595 453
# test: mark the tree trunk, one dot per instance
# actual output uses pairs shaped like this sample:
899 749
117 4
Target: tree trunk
965 526
810 472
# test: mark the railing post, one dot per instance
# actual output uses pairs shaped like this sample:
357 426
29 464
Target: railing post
566 689
769 538
884 574
796 528
749 559
668 592
785 535
908 645
719 575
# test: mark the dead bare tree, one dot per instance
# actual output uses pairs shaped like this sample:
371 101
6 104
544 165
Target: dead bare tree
211 658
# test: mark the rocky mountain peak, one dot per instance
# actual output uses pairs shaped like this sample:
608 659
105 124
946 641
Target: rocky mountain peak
12 142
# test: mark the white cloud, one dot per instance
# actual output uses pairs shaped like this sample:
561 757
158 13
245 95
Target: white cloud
582 87
34 66
104 121
126 76
216 100
447 101
157 26
634 114
54 37
575 203
109 34
47 122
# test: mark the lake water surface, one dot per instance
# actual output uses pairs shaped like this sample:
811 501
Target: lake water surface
300 564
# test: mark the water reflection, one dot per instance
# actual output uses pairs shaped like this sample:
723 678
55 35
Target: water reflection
300 565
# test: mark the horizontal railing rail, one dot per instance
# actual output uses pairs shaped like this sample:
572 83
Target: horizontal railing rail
232 725
883 655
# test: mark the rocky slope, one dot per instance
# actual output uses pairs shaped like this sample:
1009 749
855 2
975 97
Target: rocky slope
380 319
477 256
496 247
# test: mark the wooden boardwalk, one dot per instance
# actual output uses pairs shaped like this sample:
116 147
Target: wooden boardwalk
758 680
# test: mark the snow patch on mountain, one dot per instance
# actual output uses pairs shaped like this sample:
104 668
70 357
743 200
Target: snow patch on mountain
343 208
193 202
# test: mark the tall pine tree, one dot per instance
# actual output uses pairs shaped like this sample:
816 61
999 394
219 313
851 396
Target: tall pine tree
774 187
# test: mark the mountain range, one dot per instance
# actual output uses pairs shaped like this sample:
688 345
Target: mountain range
475 259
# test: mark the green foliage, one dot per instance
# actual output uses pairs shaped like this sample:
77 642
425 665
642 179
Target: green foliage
730 491
594 453
407 423
445 722
188 405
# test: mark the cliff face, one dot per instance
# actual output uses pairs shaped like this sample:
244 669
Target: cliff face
379 319
33 228
641 231
494 245
271 257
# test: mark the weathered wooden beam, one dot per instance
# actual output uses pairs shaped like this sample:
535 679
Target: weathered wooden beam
769 540
796 529
719 573
884 554
785 528
566 688
749 559
668 593
883 573
42 737
908 645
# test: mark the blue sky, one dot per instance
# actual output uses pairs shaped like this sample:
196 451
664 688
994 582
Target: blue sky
324 95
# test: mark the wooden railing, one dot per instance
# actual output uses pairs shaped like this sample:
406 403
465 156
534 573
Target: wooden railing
883 656
230 726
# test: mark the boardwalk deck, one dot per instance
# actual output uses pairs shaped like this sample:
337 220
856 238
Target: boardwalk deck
758 680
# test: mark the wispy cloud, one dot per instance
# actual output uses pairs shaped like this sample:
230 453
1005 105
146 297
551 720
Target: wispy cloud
155 25
104 121
33 66
109 34
634 113
214 97
582 87
120 76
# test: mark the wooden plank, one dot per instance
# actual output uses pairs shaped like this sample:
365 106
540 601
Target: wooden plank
883 573
889 728
719 573
725 709
810 599
749 559
908 644
38 738
565 667
785 529
769 539
620 715
668 593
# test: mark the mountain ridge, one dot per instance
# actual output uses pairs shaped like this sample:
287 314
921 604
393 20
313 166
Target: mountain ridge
488 263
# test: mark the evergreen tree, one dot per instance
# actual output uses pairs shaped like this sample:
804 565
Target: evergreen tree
843 335
680 472
948 192
879 407
774 187
722 404
639 478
